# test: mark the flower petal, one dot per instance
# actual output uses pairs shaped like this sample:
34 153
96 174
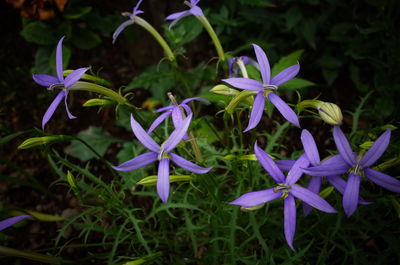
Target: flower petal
59 60
177 135
45 80
165 108
285 75
73 77
50 111
244 83
314 186
264 64
120 29
343 146
189 166
350 195
176 17
327 170
197 99
312 199
340 185
310 147
177 117
195 10
256 112
143 137
11 221
289 213
285 164
269 165
163 180
296 171
376 150
157 121
137 162
254 198
383 180
66 107
284 109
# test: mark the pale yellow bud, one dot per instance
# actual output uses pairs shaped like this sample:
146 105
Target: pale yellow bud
330 113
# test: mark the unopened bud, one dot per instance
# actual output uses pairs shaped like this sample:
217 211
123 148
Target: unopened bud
152 180
252 208
36 141
224 90
330 113
98 102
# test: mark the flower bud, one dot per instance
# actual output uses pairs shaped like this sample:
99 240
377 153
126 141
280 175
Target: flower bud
98 102
152 180
224 90
36 141
252 208
330 113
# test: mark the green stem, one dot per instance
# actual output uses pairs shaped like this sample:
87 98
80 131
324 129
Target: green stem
213 36
143 23
85 86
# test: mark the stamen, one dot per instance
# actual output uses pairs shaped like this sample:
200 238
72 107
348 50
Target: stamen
55 86
282 187
188 4
272 87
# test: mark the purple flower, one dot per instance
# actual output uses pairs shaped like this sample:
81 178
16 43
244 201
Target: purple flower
358 165
312 154
11 221
194 10
176 113
58 82
131 20
287 189
162 154
268 85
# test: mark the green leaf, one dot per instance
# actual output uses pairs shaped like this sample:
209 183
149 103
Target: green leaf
85 39
98 139
296 83
77 12
39 33
293 17
287 61
185 31
308 29
42 64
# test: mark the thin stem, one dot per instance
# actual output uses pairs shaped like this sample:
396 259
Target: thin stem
170 55
213 36
85 86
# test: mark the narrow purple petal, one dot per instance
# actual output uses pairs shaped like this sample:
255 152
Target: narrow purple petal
289 214
195 98
296 171
163 180
195 10
177 135
285 164
285 75
120 29
327 170
264 64
257 197
135 9
350 195
59 60
157 121
269 165
187 165
11 221
314 186
310 147
73 77
176 17
45 80
143 137
334 160
343 146
187 109
67 108
230 63
340 185
177 117
165 108
311 198
137 162
256 112
244 83
284 109
383 180
50 111
376 150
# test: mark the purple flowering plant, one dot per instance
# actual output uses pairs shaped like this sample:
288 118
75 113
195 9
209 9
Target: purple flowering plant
201 175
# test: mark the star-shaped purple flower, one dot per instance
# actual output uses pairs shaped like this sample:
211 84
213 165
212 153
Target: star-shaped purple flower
11 221
59 82
286 188
162 154
194 10
267 85
358 165
176 113
131 20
